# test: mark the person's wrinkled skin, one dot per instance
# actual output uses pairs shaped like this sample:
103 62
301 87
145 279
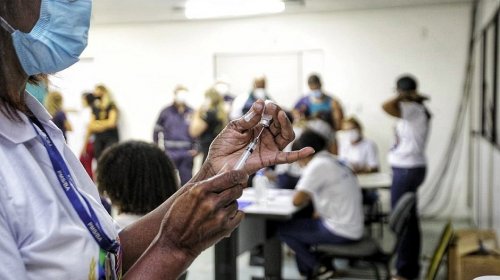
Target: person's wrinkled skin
23 17
199 215
162 244
205 211
211 209
229 145
215 197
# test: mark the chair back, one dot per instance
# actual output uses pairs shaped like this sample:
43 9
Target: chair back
401 213
398 220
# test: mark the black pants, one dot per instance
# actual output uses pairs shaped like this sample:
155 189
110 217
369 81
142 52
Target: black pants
101 143
408 180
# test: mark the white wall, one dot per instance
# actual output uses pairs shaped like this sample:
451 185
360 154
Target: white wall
364 53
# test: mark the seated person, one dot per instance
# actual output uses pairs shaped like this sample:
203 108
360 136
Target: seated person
358 152
336 195
137 176
288 174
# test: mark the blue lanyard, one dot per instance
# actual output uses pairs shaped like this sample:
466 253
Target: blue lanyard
89 218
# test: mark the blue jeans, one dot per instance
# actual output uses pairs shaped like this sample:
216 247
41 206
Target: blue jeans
408 180
301 234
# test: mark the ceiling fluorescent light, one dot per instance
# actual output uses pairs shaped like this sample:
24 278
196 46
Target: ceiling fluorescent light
200 9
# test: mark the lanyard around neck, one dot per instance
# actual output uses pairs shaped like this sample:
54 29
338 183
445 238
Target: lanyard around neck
89 218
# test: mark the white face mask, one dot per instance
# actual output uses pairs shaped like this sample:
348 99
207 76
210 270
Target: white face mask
207 103
259 93
353 135
316 93
181 97
222 88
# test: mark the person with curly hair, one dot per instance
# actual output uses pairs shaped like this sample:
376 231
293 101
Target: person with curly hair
137 177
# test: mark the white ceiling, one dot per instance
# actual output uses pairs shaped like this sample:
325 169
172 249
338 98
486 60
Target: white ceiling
138 11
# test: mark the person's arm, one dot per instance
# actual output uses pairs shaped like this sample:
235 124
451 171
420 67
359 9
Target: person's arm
102 125
162 244
67 124
224 152
232 142
391 106
373 162
364 169
333 147
198 125
12 265
158 128
86 138
338 114
301 198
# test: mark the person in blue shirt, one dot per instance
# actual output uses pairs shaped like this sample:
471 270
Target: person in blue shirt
173 125
54 105
318 104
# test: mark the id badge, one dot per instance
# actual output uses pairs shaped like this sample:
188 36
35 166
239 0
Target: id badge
111 267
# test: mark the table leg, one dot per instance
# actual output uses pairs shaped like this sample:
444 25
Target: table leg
273 259
225 258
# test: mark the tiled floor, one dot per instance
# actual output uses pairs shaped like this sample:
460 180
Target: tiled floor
203 268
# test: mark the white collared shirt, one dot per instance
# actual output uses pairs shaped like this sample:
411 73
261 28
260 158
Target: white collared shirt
335 193
41 235
363 154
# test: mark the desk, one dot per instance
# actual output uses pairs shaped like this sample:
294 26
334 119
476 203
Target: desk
377 180
258 227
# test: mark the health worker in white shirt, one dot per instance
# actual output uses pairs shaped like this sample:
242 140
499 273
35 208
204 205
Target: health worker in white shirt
52 224
335 193
360 153
408 162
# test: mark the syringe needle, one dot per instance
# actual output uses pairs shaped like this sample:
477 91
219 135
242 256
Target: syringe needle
265 122
246 154
248 151
260 133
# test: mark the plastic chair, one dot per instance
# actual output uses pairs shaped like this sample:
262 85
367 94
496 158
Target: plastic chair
369 249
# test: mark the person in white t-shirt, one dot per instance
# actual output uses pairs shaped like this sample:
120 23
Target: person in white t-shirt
408 161
360 153
333 189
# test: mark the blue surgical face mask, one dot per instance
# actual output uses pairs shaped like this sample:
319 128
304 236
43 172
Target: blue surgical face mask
57 39
316 93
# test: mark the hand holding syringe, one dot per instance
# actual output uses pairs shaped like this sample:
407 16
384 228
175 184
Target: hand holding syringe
265 121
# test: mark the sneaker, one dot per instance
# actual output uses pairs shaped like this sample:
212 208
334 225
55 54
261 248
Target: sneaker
257 260
321 273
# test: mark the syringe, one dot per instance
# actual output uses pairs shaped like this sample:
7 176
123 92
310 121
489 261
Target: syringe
248 151
265 121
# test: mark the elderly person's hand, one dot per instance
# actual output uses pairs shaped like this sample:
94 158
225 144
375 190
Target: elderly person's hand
204 211
230 144
212 211
201 214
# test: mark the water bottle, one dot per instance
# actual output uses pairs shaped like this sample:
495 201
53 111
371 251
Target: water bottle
260 183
